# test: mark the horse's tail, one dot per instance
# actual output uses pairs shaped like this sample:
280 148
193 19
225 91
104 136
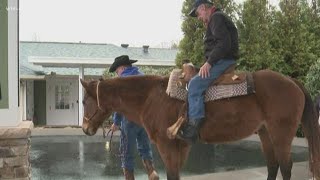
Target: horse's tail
311 129
317 104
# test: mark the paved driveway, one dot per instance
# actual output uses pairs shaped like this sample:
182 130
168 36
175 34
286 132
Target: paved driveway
65 153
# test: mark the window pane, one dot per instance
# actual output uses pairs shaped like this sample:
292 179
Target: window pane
67 97
56 94
62 97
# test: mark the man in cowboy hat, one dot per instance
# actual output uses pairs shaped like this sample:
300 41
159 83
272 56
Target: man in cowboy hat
132 134
123 62
220 50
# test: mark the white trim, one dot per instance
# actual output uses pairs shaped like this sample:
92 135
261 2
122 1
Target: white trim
80 88
90 62
11 116
32 77
13 54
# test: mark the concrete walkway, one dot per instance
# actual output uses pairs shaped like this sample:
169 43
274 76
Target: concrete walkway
299 172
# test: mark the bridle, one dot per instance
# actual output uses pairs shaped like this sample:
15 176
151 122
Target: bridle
97 110
99 107
110 132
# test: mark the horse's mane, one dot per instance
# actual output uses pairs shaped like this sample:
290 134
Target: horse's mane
132 82
137 87
139 83
136 81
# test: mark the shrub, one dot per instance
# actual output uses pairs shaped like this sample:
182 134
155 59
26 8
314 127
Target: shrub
313 79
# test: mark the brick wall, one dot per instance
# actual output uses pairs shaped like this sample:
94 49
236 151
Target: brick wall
14 152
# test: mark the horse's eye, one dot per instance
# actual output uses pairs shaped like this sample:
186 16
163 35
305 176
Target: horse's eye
83 103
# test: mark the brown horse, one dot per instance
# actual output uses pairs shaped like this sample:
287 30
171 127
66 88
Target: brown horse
274 111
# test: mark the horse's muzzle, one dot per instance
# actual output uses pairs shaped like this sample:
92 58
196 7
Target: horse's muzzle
89 131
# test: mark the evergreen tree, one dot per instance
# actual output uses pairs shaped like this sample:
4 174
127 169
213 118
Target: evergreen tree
256 36
296 42
313 79
190 47
312 19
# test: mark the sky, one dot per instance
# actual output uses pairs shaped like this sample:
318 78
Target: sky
156 23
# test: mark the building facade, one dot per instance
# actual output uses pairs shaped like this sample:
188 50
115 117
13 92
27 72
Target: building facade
50 72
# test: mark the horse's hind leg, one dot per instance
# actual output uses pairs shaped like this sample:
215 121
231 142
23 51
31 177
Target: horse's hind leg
282 140
268 151
173 154
283 154
284 158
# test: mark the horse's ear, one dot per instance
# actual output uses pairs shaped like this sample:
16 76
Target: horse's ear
84 84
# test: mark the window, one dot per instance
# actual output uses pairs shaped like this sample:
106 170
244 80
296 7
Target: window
62 97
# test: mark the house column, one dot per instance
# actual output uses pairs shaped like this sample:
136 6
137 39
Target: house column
14 133
81 76
9 69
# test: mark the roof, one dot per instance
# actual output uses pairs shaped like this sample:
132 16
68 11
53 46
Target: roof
90 54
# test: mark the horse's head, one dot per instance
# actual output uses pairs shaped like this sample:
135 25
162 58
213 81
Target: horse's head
94 114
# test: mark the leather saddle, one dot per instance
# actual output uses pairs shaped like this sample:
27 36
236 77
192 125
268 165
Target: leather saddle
230 77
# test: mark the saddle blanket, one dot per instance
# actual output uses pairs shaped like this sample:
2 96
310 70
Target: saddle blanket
176 90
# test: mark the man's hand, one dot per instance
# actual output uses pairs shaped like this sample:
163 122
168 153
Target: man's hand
204 70
114 127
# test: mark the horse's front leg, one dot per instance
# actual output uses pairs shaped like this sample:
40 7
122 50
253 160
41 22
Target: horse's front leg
173 154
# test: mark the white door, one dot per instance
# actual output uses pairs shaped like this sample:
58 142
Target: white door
62 107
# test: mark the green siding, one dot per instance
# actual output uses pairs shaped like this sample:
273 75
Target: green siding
4 54
40 112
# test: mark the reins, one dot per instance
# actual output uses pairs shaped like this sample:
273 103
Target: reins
105 136
123 150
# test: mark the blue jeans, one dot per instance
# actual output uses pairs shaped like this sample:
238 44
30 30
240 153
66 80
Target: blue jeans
198 86
133 136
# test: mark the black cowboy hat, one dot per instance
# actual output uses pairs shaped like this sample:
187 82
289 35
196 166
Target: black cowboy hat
196 4
121 61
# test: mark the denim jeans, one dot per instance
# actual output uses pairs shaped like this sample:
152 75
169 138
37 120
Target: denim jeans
132 136
198 86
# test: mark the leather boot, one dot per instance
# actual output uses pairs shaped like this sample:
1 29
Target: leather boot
148 166
128 175
190 131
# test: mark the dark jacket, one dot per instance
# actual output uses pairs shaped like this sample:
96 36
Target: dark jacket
221 40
